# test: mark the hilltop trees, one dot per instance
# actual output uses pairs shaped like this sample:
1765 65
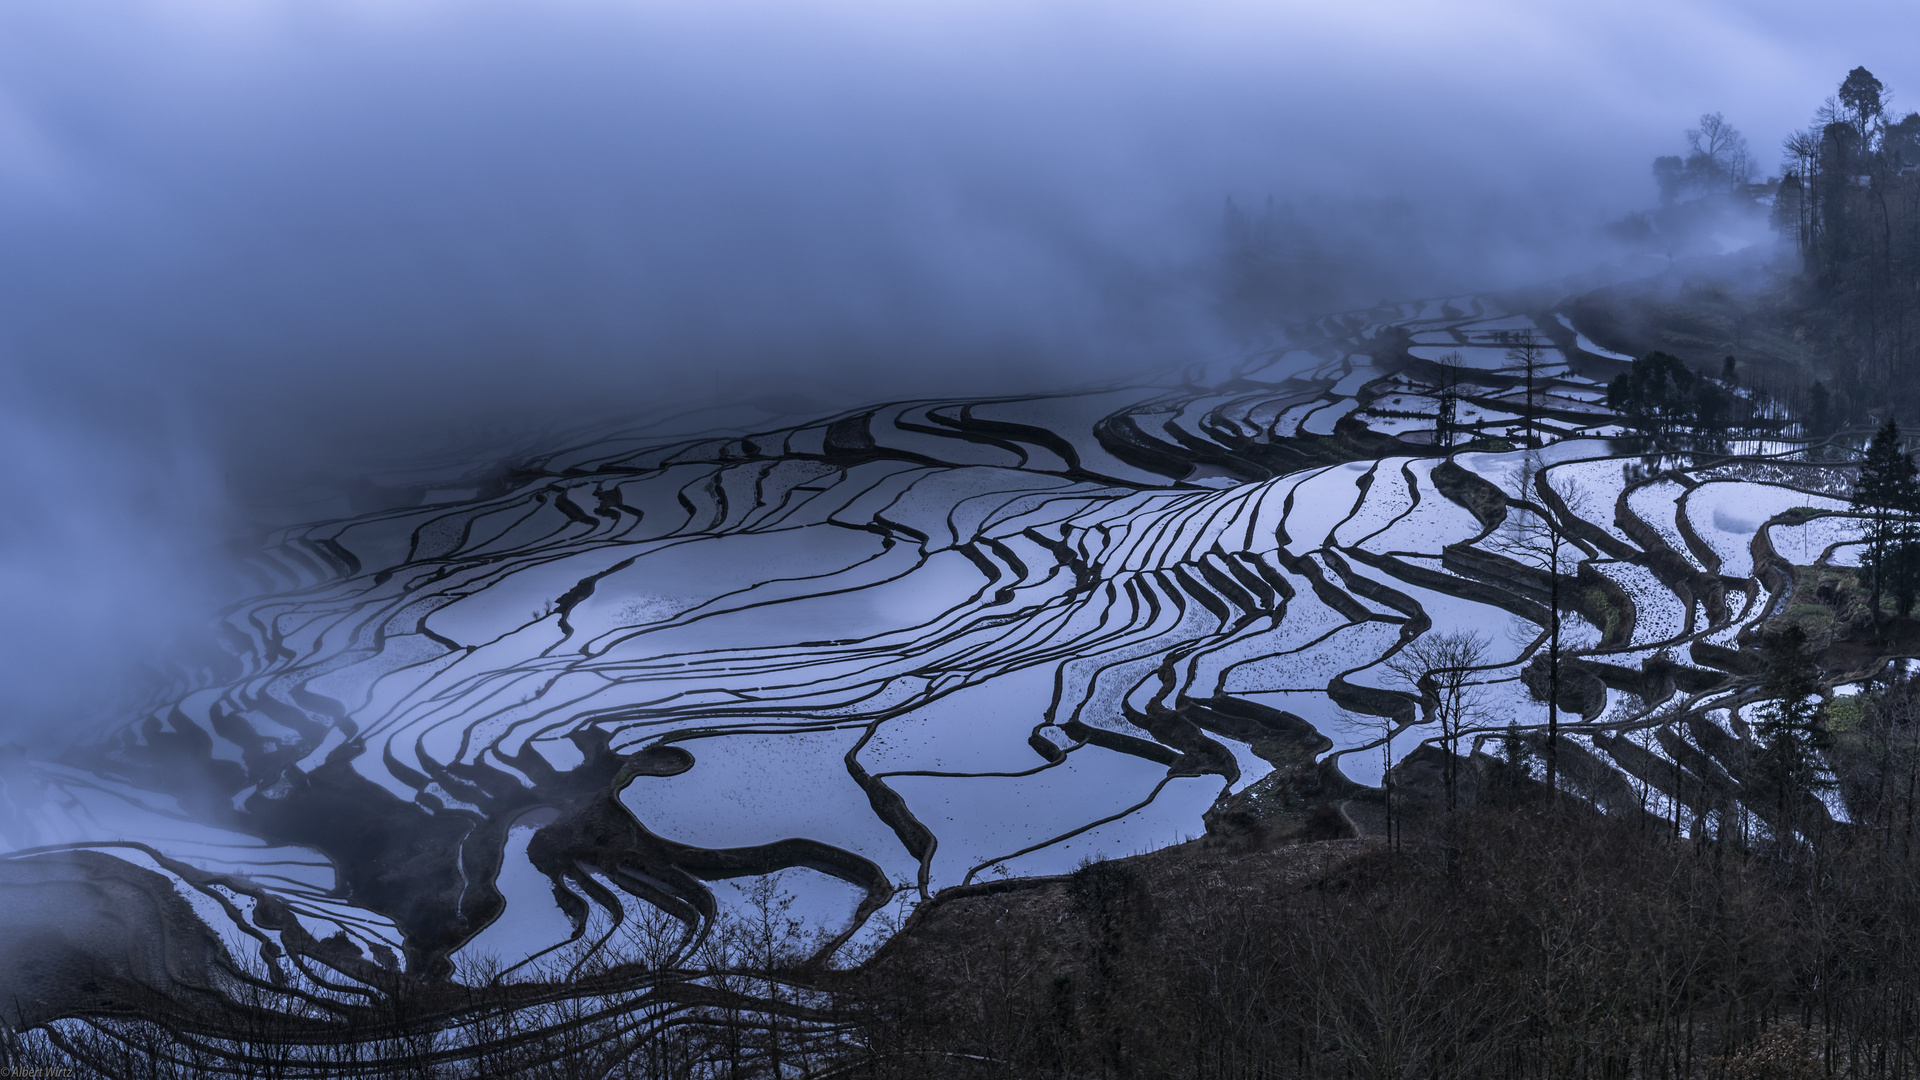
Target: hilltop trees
1850 206
1717 160
1861 95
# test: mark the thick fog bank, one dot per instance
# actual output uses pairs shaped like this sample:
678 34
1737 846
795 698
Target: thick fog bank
249 245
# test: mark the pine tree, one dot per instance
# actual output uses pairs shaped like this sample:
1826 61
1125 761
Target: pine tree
1887 493
1864 97
1513 767
1792 727
1904 575
1819 410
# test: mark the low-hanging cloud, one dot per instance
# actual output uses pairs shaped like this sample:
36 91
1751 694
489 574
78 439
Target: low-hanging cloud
248 242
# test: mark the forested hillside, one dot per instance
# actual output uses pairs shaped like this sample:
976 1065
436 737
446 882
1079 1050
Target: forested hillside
1823 315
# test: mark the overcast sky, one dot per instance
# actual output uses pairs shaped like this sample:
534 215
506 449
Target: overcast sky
246 238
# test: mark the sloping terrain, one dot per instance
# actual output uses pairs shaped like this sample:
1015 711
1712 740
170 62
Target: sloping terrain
934 643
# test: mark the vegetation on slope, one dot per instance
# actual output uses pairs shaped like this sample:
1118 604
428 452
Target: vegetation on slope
1826 320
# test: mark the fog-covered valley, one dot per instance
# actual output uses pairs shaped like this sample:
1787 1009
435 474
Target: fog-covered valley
611 519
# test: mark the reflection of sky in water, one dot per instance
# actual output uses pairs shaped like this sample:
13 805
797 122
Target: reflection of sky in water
775 619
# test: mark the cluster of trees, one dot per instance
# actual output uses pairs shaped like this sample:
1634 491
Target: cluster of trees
1705 192
1682 407
1850 204
1717 162
1664 398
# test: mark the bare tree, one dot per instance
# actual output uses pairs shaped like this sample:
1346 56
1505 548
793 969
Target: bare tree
1526 351
1447 394
1716 149
1440 667
1389 727
1535 538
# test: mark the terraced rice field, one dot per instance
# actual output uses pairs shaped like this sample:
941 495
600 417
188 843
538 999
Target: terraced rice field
917 646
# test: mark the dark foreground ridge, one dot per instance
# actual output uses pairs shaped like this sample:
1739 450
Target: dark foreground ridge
1522 938
1518 941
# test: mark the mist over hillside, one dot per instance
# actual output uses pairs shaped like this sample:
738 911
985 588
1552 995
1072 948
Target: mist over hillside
249 249
762 539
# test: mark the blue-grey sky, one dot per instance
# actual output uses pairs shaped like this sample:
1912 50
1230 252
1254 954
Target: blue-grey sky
252 238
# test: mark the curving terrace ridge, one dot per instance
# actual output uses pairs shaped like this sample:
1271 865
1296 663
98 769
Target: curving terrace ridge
907 648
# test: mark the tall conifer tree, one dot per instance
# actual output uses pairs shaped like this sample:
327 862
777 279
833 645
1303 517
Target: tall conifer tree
1792 727
1887 493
